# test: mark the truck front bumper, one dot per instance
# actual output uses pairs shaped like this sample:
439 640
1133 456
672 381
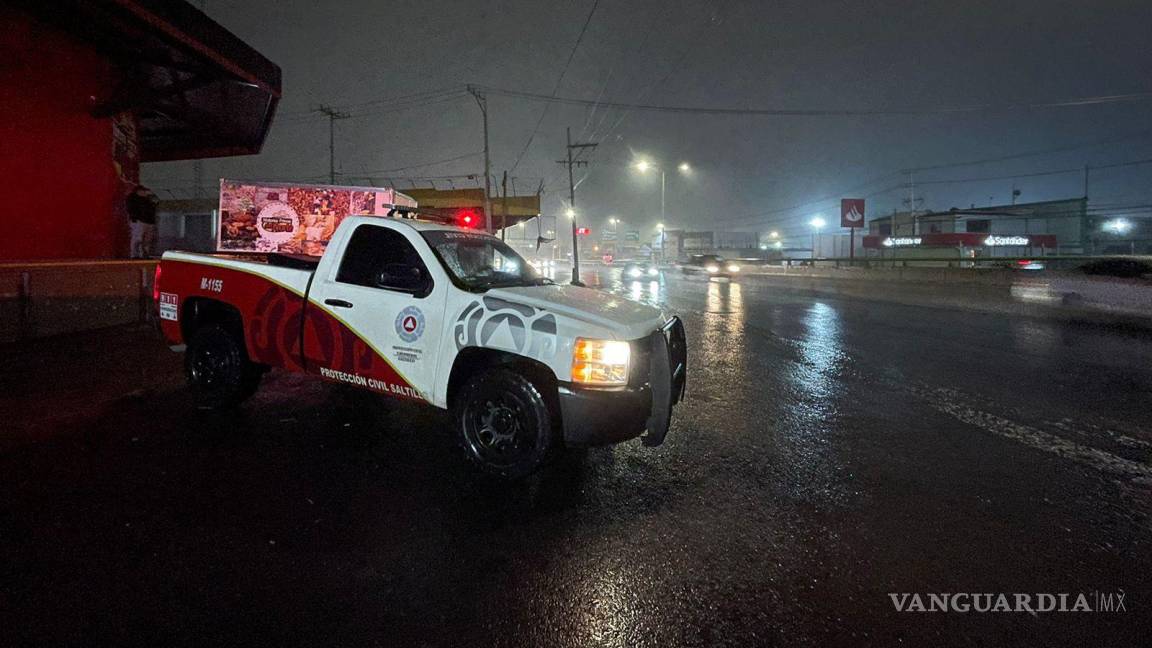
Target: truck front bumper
594 417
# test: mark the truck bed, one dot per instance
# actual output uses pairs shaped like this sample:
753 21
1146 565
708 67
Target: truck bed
288 271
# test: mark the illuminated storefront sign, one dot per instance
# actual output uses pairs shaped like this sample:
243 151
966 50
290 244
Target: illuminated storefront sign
902 241
959 240
1006 240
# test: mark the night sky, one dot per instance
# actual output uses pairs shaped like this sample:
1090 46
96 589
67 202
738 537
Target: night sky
749 172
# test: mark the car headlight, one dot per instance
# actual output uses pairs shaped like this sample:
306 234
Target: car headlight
652 272
634 272
713 268
733 268
600 362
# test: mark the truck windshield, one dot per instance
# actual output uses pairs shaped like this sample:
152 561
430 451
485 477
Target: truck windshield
479 261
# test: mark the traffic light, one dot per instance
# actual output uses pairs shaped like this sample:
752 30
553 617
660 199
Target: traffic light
583 231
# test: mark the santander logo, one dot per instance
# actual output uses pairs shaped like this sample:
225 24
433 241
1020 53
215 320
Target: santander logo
852 212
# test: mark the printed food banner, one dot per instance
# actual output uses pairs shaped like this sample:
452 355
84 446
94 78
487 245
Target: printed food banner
293 219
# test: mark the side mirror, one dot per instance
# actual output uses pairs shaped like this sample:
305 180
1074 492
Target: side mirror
402 278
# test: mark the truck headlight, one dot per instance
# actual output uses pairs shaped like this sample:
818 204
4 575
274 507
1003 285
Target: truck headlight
713 268
600 362
733 268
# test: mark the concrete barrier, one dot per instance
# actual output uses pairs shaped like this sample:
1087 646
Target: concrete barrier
44 298
1060 293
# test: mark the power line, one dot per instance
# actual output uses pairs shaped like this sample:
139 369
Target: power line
1005 158
1016 156
1014 176
697 37
380 111
556 88
426 164
817 112
414 98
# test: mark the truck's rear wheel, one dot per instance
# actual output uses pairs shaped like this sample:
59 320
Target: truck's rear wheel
218 369
503 424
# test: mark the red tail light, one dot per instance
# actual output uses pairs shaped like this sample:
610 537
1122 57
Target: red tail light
156 284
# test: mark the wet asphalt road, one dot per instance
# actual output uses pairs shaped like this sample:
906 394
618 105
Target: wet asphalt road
829 452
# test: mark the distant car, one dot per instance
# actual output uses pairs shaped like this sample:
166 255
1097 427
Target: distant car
637 270
709 264
1019 264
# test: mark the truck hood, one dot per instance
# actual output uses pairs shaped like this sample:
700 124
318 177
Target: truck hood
627 319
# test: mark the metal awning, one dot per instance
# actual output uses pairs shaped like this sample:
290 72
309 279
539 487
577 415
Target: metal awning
519 208
196 89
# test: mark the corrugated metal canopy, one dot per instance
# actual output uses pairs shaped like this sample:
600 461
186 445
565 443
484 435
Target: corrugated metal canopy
520 208
197 89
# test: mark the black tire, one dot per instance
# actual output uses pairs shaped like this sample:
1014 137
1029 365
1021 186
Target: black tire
217 368
503 424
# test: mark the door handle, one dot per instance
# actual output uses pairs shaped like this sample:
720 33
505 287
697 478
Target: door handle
338 303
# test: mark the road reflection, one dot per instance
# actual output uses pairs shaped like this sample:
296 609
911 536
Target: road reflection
820 352
651 291
722 341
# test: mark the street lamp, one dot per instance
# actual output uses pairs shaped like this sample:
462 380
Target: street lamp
615 222
643 166
774 234
1119 226
817 224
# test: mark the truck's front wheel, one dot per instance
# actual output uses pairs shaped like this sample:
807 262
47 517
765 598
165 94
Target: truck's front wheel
503 424
218 369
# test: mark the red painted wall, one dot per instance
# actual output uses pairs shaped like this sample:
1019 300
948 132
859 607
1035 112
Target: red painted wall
60 195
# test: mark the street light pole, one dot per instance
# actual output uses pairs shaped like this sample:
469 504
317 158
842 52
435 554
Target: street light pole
663 258
642 166
817 224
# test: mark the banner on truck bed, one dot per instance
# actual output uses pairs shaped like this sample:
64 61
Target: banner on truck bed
293 219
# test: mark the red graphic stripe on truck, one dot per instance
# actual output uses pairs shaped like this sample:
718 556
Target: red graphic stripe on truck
270 311
272 315
348 357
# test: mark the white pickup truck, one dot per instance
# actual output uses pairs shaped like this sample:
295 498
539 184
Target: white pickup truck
448 316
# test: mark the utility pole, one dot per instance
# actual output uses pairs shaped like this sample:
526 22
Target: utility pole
504 210
482 101
332 115
912 201
572 198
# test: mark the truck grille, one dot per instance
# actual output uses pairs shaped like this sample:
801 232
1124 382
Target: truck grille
673 333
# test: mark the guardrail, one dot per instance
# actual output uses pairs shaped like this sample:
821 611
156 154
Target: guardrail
42 298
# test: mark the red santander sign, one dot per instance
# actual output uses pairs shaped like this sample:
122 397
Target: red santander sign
852 212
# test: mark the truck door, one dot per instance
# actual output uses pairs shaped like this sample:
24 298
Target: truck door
375 316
